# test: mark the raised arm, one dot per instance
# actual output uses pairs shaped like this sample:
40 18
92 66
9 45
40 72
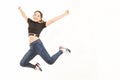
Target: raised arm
57 18
22 13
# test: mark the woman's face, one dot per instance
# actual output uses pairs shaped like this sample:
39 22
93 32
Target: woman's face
37 17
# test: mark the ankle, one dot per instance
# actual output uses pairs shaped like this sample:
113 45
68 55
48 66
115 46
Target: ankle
64 49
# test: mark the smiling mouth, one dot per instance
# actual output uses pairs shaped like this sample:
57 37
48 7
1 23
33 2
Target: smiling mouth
35 18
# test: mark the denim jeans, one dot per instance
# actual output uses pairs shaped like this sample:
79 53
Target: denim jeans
37 48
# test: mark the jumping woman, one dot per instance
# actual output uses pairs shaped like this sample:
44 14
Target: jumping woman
35 26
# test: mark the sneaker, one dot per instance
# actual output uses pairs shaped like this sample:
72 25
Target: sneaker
64 49
37 66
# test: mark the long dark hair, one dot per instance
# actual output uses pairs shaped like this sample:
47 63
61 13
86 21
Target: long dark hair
41 14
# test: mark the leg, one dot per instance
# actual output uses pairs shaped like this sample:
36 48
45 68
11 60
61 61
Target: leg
47 58
40 49
27 57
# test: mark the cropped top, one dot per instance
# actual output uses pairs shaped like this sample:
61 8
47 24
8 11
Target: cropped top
35 27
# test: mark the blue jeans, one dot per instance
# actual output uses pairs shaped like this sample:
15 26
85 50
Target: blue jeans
37 48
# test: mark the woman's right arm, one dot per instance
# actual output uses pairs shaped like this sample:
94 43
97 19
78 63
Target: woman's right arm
23 13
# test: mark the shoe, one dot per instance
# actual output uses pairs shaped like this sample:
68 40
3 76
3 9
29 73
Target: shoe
37 66
64 49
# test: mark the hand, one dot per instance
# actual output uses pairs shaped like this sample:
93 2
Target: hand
19 7
66 12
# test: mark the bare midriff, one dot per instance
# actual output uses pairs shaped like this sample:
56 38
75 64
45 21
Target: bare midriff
33 38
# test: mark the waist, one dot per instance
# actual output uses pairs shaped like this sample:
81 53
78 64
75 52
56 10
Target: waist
33 34
33 37
37 41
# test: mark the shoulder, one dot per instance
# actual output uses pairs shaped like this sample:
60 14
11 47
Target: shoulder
29 20
43 23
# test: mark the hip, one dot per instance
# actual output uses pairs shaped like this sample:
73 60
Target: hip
33 38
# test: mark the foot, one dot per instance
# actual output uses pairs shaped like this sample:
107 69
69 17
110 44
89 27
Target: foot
37 66
64 49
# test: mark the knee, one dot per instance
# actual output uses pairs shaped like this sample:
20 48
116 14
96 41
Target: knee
50 62
22 64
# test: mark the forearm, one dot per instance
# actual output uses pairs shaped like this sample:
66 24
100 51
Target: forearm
22 13
58 17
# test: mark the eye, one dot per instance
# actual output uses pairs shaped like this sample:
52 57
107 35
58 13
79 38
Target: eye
38 15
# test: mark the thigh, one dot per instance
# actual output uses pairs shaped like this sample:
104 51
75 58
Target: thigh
28 56
40 49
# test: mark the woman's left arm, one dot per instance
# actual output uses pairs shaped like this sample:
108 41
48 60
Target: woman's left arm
57 18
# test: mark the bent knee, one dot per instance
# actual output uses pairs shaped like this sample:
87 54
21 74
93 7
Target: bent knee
22 64
50 62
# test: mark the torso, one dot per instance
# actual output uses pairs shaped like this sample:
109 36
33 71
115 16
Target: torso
36 28
32 38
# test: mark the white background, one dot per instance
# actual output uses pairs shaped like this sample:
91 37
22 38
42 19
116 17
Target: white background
91 31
